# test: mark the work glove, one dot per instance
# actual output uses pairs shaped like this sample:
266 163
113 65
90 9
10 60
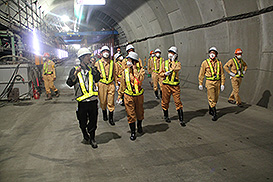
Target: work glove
200 87
232 74
222 88
244 72
119 101
167 73
239 72
117 87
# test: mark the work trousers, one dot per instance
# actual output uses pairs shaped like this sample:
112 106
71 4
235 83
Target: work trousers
213 90
88 110
107 96
156 80
235 82
134 107
167 91
49 83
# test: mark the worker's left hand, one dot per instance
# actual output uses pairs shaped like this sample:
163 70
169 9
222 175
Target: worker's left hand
222 88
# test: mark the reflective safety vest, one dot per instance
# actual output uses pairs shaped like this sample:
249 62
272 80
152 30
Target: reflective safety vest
129 89
46 68
120 67
238 69
170 80
160 63
86 94
110 76
214 76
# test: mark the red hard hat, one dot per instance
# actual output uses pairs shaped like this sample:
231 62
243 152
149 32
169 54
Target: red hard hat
238 51
151 52
46 55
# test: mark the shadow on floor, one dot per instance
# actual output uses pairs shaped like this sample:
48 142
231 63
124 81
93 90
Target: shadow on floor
155 128
263 102
189 115
107 137
150 104
233 109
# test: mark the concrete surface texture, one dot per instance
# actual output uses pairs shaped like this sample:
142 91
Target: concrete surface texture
144 18
41 141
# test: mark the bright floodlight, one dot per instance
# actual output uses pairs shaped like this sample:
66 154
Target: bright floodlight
91 2
65 18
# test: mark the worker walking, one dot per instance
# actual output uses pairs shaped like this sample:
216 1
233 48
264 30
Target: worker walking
130 48
131 81
215 79
236 68
170 85
118 57
49 76
83 77
106 84
156 65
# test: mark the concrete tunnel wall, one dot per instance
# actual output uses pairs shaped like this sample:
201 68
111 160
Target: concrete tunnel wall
252 35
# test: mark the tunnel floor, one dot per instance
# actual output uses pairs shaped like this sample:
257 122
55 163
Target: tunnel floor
41 141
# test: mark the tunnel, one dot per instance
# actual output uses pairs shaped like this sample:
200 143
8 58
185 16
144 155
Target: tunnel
41 139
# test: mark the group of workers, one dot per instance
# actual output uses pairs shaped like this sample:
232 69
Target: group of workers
93 80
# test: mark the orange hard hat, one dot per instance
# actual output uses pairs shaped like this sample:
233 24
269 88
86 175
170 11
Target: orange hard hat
151 52
46 55
238 51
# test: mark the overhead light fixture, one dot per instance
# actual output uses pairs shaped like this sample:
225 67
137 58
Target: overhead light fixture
91 2
64 18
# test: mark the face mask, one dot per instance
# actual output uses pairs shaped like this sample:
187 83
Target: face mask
105 55
170 55
153 55
44 59
212 56
121 58
129 63
239 56
157 54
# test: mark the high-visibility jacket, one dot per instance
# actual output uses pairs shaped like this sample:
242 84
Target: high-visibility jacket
239 70
120 65
213 75
110 76
155 65
132 90
86 93
170 80
46 66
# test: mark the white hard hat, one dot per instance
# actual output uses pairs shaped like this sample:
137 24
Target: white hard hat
83 51
157 50
133 55
128 47
117 55
173 49
104 48
213 49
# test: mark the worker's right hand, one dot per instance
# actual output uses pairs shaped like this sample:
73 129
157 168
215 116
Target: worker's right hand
117 87
232 74
119 101
200 87
167 73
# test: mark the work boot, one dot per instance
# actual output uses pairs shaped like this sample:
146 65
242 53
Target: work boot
160 94
240 105
48 97
214 116
93 142
166 116
210 110
139 126
133 131
232 101
156 94
180 116
57 93
86 137
111 120
104 114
